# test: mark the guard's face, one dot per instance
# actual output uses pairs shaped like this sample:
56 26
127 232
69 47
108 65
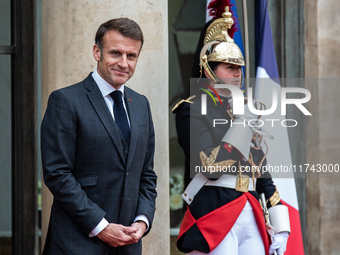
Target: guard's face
229 74
118 58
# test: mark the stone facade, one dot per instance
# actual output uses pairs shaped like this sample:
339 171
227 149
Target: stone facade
322 42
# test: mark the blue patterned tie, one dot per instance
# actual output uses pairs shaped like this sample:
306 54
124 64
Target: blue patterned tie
120 114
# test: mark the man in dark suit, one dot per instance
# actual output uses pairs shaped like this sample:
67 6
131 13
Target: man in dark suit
97 141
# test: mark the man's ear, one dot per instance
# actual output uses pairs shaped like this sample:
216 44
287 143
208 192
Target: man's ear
96 52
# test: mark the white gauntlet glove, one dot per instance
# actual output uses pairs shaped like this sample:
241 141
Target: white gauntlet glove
279 243
279 218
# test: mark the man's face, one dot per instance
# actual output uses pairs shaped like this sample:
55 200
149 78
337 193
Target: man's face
118 58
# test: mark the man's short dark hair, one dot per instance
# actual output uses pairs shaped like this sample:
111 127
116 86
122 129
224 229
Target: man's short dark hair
125 26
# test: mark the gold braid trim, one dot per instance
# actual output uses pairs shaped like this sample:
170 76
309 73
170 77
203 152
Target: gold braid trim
206 161
188 100
275 198
211 165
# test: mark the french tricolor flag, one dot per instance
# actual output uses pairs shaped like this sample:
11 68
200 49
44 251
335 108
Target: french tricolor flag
279 150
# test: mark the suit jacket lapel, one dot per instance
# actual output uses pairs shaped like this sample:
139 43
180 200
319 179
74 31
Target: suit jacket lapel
133 117
103 112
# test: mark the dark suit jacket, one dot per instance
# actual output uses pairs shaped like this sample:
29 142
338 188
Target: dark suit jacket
90 170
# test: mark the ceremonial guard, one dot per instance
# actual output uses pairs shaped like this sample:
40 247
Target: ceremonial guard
223 161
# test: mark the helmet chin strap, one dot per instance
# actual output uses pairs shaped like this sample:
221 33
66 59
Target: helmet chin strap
205 65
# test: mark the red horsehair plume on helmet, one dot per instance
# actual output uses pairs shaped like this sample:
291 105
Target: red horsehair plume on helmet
217 8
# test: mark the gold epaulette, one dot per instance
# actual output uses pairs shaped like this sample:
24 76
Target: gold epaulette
188 100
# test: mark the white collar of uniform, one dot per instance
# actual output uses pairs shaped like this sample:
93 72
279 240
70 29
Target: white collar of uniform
105 87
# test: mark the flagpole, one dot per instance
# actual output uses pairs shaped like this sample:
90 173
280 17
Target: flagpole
246 45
